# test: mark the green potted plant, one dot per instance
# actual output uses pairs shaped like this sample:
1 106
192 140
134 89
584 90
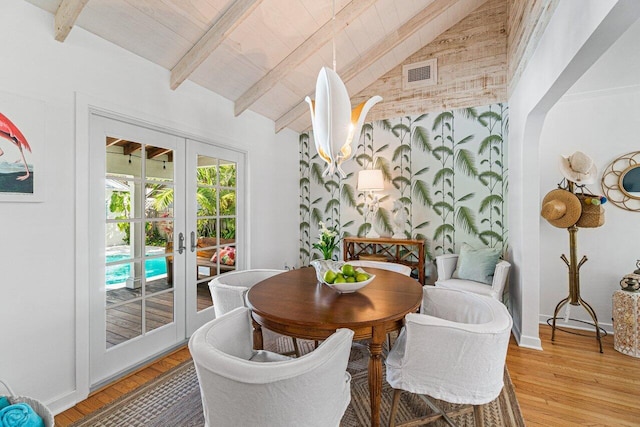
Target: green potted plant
328 241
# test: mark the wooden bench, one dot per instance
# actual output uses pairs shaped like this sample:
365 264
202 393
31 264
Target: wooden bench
207 247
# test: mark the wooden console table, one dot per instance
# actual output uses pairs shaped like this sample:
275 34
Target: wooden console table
401 251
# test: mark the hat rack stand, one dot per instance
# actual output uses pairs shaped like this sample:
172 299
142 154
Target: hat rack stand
574 297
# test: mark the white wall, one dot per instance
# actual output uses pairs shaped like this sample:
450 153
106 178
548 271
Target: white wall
603 126
37 253
598 116
577 35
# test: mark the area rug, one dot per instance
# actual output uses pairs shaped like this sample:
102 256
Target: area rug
173 399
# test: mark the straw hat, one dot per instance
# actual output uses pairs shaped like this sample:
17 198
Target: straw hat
561 208
579 168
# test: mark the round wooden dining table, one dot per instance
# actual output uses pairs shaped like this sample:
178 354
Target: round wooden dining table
294 303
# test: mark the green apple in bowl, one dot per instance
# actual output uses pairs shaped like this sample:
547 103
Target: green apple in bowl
330 276
340 276
348 270
361 277
340 279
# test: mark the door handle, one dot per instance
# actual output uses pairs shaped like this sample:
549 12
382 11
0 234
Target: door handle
193 241
181 246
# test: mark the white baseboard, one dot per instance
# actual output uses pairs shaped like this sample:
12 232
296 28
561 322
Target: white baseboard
62 403
525 340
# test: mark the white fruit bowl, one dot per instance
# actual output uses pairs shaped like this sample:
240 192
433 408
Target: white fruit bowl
322 266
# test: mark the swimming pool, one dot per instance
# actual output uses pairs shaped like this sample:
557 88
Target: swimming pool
119 273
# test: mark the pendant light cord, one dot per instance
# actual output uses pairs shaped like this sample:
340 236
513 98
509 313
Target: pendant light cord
333 30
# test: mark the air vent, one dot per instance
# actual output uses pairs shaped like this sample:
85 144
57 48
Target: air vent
420 74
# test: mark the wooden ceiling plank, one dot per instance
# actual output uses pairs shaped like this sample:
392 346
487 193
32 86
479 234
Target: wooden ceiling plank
311 45
291 116
156 152
406 30
66 16
130 148
113 141
218 32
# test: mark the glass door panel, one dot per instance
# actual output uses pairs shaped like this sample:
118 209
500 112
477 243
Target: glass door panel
214 194
136 307
216 203
159 310
139 217
206 230
124 322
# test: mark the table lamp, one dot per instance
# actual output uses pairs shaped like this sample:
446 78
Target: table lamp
370 180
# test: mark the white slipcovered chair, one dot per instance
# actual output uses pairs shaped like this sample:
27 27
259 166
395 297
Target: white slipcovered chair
398 268
453 350
446 266
241 386
229 291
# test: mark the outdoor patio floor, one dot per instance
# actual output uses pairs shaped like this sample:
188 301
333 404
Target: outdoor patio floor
125 321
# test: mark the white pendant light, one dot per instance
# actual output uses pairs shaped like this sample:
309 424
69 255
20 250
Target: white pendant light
334 123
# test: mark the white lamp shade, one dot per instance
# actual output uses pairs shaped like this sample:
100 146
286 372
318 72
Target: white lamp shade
370 180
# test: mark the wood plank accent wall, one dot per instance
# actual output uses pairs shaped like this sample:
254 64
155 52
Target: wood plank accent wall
472 69
527 20
480 61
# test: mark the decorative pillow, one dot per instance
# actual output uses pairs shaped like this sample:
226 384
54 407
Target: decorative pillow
476 264
227 255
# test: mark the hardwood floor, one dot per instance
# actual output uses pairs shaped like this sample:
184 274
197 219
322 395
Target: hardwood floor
571 383
110 393
568 384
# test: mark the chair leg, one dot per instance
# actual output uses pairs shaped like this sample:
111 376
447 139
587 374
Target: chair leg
394 407
296 349
439 411
435 414
478 415
448 420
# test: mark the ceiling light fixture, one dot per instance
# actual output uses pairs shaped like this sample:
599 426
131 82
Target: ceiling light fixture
334 123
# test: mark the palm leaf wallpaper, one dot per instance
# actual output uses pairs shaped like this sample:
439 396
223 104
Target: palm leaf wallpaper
447 171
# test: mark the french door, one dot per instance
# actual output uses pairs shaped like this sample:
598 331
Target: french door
215 185
164 220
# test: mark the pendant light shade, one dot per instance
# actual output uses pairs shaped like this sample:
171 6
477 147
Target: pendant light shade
334 123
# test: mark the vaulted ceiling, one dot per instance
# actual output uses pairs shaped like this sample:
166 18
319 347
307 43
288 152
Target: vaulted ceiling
265 55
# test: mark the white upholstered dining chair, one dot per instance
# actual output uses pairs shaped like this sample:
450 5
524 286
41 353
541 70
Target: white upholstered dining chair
241 386
229 291
392 266
453 350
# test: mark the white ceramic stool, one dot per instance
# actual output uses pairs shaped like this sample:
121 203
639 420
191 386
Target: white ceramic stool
626 316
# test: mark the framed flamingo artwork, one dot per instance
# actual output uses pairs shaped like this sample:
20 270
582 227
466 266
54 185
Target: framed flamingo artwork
22 122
